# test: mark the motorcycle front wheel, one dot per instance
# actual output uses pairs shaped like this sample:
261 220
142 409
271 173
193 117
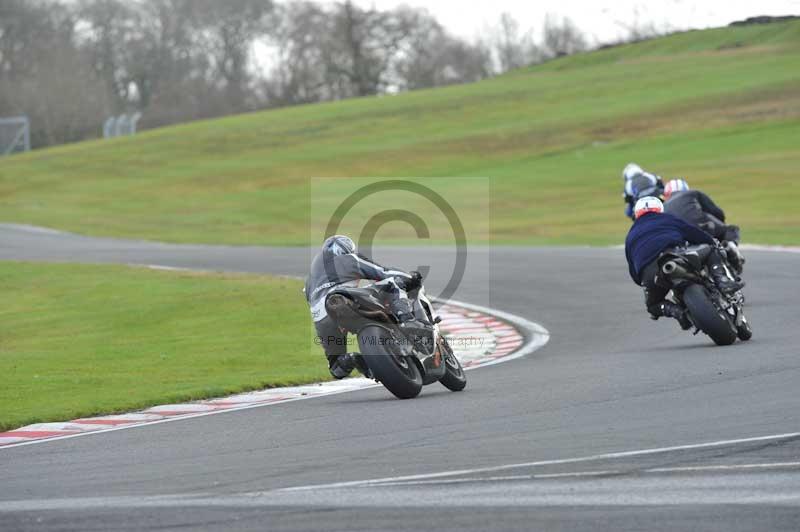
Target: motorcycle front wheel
743 331
454 378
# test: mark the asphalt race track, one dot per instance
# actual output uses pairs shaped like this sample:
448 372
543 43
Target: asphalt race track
619 423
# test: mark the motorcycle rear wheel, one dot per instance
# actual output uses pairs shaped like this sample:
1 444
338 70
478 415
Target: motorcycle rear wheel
384 356
707 316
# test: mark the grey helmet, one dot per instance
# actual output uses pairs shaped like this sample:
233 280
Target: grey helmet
339 245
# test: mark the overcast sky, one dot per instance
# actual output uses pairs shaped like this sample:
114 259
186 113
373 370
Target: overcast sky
605 20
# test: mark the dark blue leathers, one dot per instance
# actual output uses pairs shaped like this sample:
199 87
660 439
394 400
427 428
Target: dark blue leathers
653 233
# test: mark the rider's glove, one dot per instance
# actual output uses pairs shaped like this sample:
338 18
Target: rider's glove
415 281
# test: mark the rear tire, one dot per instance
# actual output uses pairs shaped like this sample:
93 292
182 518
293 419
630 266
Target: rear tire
397 372
454 378
707 316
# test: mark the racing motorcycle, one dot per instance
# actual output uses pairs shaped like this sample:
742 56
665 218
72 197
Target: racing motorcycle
403 361
718 315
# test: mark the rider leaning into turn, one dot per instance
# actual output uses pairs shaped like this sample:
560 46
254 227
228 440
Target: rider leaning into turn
697 208
639 184
654 232
339 263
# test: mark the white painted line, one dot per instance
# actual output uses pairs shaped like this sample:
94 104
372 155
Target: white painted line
577 474
543 476
176 418
165 268
5 441
438 482
32 229
180 407
585 474
764 247
732 467
748 247
615 492
590 458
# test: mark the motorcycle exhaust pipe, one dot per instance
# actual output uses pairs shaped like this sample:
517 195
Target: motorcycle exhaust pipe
339 306
673 269
376 315
336 302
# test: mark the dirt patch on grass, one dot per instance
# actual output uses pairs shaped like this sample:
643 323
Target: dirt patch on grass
776 103
724 50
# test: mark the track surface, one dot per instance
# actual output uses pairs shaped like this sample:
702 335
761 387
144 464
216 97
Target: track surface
610 380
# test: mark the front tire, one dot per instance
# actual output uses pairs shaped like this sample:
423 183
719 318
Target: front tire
454 378
707 316
743 331
388 364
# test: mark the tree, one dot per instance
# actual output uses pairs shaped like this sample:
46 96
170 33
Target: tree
361 47
45 75
175 60
433 58
69 64
562 37
299 39
342 51
110 25
227 31
513 48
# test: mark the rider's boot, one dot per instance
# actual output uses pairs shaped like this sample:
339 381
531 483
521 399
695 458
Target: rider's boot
342 365
735 257
671 310
724 281
721 275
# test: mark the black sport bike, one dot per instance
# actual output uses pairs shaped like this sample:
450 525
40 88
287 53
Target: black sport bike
719 315
403 361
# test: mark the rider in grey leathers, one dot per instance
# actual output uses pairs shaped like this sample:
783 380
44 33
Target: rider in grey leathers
339 263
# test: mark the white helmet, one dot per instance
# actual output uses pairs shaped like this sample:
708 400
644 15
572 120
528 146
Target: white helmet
675 185
647 204
631 170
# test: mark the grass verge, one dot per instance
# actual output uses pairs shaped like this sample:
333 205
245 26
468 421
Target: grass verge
81 340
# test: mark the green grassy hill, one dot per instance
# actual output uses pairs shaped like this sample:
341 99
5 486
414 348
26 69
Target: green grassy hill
721 107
